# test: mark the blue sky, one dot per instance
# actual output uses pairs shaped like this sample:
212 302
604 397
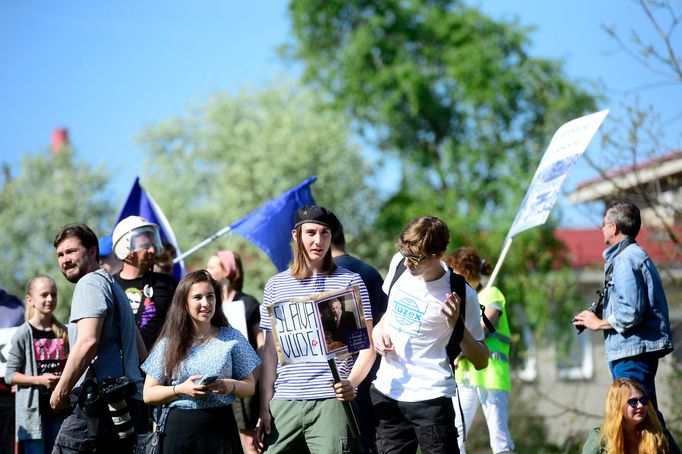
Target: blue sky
104 71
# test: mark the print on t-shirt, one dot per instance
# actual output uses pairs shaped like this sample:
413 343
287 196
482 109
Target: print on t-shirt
50 355
407 313
136 298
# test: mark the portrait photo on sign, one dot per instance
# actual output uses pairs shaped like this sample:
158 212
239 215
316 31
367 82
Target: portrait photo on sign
318 326
340 323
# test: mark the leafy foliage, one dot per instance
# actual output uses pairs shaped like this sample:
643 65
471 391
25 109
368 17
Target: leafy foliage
456 96
231 154
48 192
448 89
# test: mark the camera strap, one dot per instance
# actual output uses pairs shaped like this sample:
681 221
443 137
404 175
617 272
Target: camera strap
608 273
117 324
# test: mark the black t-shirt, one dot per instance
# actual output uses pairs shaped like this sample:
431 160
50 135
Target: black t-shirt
377 298
149 297
49 352
372 279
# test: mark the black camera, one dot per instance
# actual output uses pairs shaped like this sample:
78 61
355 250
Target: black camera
114 392
597 307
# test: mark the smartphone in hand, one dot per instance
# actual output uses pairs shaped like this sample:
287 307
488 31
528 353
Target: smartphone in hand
208 380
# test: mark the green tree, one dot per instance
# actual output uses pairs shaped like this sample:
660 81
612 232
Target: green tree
50 190
450 91
457 97
232 153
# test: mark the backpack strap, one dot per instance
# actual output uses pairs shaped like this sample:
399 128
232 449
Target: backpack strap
458 286
397 272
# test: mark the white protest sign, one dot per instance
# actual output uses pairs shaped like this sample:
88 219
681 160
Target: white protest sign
568 143
5 345
319 326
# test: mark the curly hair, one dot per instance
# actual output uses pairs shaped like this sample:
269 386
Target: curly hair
469 264
652 439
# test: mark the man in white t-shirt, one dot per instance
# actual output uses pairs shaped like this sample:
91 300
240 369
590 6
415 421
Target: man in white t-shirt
414 385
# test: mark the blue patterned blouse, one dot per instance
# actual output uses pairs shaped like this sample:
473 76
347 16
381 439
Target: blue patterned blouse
227 356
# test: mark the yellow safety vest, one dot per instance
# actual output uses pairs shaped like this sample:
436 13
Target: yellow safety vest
496 375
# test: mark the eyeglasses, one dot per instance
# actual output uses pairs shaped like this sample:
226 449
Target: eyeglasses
415 260
642 400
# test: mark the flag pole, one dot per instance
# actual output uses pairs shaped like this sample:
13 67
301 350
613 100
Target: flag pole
498 265
211 238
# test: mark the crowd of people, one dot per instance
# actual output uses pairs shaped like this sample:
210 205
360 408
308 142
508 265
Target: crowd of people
201 356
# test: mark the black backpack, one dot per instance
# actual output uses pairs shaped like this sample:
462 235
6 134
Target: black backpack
458 286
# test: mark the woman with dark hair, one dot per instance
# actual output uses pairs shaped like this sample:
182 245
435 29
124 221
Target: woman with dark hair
630 423
489 386
197 367
242 312
35 361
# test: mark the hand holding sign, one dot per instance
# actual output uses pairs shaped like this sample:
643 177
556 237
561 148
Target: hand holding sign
319 328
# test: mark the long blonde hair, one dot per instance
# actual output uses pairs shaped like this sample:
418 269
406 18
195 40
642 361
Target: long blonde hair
652 440
57 328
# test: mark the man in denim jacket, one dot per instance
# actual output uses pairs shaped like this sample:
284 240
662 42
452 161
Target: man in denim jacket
635 319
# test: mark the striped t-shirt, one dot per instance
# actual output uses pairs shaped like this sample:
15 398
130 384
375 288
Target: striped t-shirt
306 381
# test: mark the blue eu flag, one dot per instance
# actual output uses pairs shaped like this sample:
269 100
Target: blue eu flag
269 226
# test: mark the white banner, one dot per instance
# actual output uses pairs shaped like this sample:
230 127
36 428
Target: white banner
568 143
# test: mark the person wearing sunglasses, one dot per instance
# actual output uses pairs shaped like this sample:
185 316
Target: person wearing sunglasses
414 386
635 320
630 423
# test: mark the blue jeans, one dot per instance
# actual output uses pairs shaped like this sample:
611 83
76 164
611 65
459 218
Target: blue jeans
641 368
51 425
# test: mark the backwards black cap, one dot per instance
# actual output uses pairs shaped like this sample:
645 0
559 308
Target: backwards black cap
317 215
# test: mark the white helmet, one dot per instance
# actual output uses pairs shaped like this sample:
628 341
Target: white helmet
128 230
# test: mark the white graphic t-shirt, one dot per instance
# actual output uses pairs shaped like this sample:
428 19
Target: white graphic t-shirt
418 369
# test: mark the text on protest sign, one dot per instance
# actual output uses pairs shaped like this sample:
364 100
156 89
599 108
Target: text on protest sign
568 143
320 326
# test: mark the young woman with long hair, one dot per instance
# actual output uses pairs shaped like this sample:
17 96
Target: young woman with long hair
197 367
630 423
243 312
36 359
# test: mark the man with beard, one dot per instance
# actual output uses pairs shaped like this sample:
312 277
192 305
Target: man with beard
137 243
104 343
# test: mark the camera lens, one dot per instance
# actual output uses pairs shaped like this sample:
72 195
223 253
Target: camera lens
123 424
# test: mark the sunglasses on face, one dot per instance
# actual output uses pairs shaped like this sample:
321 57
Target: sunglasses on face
415 260
642 400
